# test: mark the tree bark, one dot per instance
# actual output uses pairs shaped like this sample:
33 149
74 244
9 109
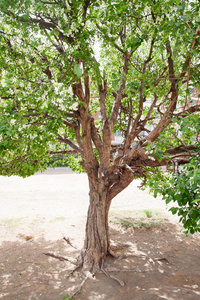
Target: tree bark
97 242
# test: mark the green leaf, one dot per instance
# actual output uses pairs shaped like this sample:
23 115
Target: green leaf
181 7
174 210
77 70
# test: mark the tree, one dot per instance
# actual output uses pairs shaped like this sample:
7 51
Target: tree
53 82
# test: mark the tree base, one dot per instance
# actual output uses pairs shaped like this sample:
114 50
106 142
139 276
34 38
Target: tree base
88 269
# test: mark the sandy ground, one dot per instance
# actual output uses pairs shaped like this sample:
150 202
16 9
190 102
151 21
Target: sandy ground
156 262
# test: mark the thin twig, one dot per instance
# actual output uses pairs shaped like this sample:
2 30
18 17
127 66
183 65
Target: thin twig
68 240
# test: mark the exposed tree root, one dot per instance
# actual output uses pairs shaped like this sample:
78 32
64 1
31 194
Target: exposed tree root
87 275
75 269
116 248
121 282
113 254
78 264
60 257
111 269
122 256
163 259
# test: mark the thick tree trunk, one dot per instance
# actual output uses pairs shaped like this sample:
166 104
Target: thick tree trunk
96 245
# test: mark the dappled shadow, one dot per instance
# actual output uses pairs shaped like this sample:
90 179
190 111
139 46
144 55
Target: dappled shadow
154 263
26 273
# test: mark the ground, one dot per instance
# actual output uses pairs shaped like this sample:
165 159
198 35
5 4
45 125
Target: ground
155 261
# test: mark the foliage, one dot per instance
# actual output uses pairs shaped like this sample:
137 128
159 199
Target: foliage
67 297
183 188
182 185
53 82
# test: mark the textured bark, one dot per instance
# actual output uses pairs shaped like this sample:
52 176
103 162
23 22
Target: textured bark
97 243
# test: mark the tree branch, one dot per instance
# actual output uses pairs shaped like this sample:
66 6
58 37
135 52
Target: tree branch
64 73
180 149
78 136
188 111
118 95
87 88
167 116
102 98
78 91
63 152
131 135
69 143
126 177
96 139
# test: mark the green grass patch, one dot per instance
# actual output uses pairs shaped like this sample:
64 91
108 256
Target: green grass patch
67 297
138 218
57 219
11 222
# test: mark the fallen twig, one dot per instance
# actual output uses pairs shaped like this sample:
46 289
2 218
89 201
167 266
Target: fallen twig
68 240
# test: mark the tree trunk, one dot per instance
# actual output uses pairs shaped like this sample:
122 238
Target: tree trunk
96 245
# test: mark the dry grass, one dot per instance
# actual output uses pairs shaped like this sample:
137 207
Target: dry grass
138 218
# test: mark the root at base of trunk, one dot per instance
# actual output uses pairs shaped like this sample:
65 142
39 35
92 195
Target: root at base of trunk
89 267
90 261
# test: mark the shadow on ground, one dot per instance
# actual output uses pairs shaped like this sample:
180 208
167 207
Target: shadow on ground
153 263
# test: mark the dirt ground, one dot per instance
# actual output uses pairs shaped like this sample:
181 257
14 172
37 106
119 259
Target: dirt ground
155 261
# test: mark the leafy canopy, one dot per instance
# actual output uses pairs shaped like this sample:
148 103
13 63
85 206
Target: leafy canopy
135 62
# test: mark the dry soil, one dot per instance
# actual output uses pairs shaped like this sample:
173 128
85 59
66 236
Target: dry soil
155 261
